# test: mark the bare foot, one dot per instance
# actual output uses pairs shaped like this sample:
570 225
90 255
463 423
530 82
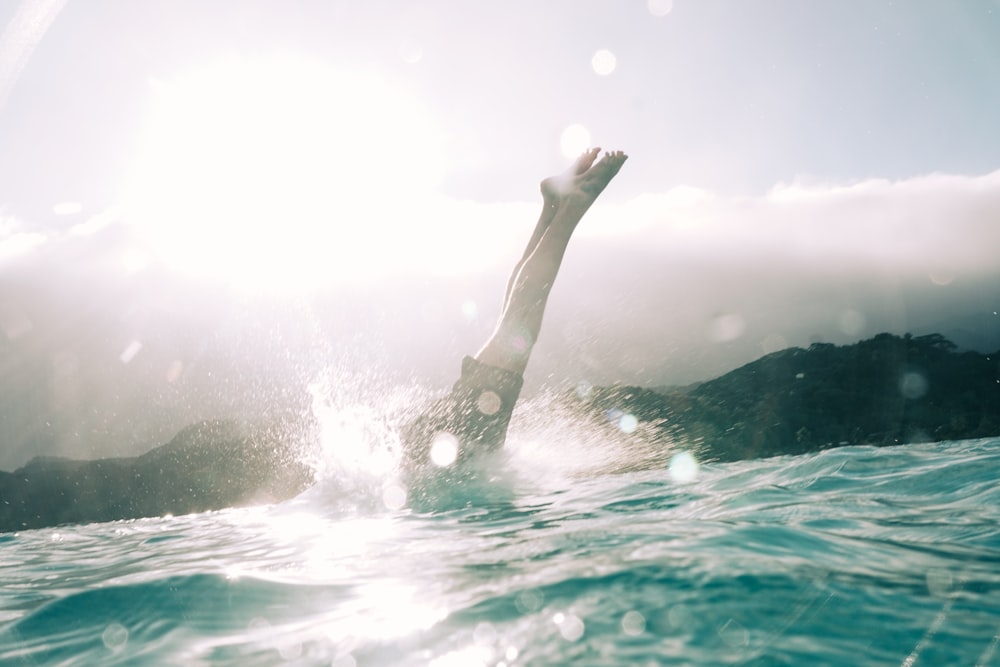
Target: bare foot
556 187
591 183
583 190
581 185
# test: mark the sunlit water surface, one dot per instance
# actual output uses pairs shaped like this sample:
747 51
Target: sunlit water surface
853 556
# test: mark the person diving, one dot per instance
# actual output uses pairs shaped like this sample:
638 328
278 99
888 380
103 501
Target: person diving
472 419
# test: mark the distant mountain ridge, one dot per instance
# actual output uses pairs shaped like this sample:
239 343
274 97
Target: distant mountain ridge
882 391
209 465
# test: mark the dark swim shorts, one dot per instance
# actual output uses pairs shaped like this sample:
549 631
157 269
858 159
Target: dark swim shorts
476 412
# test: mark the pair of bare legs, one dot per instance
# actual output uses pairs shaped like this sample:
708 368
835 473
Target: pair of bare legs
566 199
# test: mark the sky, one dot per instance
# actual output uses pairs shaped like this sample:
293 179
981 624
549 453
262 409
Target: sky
208 208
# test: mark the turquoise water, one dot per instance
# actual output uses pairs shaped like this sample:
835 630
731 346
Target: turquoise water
853 556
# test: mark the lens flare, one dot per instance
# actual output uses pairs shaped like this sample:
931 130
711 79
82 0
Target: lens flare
604 62
444 450
528 601
628 423
913 385
574 140
128 354
633 623
727 327
115 636
394 496
683 467
489 403
470 309
570 626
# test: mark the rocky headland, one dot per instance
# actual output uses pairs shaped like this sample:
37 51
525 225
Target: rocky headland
887 390
207 466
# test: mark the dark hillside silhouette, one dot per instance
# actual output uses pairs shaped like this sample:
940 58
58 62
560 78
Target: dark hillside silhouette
883 391
207 466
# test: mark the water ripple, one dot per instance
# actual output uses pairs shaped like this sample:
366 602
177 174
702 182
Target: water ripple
849 556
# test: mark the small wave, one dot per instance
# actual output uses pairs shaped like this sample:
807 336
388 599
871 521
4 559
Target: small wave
144 619
878 555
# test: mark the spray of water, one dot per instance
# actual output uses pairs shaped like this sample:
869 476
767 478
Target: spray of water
356 456
554 439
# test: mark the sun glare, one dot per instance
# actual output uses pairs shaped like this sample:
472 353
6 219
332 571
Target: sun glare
280 172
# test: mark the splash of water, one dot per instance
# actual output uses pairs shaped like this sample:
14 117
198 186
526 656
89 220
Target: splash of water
552 443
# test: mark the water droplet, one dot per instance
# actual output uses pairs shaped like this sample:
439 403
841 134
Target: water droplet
628 423
604 62
725 328
683 467
520 341
913 385
584 390
574 140
394 496
570 626
129 352
633 623
470 309
444 449
528 601
734 634
488 403
115 636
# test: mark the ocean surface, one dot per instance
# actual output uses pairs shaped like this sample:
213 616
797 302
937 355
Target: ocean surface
851 556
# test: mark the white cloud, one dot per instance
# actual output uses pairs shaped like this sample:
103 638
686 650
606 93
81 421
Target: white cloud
940 225
96 223
20 243
687 284
937 221
14 240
